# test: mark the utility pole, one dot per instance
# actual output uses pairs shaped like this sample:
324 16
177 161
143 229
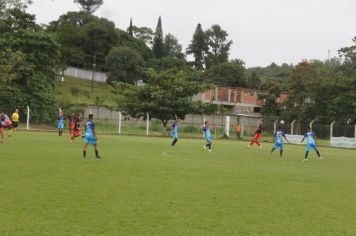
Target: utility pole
93 75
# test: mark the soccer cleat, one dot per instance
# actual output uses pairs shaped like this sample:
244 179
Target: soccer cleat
305 160
98 157
204 147
248 146
261 146
209 150
320 158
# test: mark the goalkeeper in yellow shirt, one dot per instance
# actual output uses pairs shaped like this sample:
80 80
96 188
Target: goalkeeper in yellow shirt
15 121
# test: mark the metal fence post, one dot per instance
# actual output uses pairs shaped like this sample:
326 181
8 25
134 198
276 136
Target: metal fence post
311 124
331 131
147 124
120 122
292 127
227 126
275 126
28 118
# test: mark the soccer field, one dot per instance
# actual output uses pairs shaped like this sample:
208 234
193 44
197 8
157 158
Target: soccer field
142 186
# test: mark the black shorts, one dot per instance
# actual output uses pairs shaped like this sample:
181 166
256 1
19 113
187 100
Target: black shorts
15 124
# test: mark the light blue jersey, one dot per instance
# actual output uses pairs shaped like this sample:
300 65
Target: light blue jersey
89 132
175 130
207 134
310 136
60 122
278 140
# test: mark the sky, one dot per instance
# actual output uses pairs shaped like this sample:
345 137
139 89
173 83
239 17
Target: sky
263 31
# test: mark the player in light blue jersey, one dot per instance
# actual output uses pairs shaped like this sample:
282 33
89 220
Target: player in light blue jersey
90 137
174 132
207 136
60 123
278 141
311 143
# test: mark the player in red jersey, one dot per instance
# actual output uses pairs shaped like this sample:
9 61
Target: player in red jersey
76 129
258 134
71 122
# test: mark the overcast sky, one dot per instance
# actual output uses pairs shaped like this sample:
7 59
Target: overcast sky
263 31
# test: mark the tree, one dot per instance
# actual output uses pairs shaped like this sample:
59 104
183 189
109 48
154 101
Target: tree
89 6
171 47
144 34
227 74
32 76
130 29
166 95
219 46
198 47
349 56
158 47
124 64
254 81
83 36
165 63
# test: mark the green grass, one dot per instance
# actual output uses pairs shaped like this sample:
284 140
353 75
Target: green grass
142 186
78 92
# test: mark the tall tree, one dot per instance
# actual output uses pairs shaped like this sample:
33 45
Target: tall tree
144 34
171 47
130 29
219 46
227 74
89 6
198 47
349 56
124 64
158 46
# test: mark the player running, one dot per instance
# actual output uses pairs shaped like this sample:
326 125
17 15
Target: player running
207 135
76 130
174 132
71 122
311 143
90 137
258 135
278 141
15 118
60 124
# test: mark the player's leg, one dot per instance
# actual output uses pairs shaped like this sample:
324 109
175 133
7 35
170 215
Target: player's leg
273 148
258 137
96 151
11 130
85 149
315 147
209 146
175 140
307 152
281 149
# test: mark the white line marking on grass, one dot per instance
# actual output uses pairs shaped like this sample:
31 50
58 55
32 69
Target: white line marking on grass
165 154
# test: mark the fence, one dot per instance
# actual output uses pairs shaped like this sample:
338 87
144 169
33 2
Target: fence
222 126
85 74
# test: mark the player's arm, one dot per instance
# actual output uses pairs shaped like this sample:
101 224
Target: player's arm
303 138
